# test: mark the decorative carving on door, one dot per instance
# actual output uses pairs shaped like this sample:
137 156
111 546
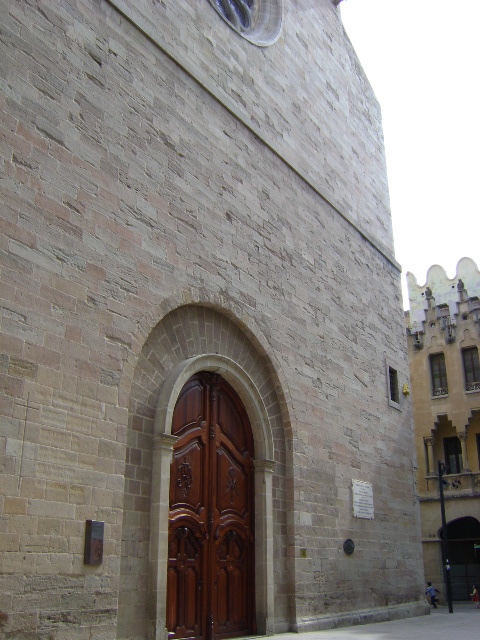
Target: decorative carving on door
232 487
210 579
184 477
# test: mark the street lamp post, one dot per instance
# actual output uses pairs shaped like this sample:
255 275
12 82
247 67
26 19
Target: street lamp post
446 563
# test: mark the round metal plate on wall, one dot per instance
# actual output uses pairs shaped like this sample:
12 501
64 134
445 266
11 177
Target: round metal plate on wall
349 546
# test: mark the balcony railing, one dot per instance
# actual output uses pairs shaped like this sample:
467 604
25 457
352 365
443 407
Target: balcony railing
473 386
440 391
465 483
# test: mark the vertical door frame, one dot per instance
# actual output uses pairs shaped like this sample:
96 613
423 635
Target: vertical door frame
163 443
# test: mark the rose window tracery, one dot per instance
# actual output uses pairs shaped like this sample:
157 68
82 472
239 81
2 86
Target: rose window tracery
258 21
237 12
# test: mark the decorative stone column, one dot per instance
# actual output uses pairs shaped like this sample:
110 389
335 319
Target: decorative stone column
265 606
463 441
430 465
159 511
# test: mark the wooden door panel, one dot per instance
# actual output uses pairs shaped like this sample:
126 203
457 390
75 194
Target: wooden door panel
232 603
222 608
236 595
188 476
184 604
211 565
172 598
232 483
192 604
190 408
231 420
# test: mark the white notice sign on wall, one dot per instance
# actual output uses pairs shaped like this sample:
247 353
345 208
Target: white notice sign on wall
362 499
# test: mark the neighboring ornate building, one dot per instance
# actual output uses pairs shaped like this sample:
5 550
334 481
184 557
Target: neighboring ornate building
203 429
443 328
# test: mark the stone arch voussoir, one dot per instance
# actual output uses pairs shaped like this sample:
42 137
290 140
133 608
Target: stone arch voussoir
185 334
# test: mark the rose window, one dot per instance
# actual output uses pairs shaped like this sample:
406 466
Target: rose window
258 21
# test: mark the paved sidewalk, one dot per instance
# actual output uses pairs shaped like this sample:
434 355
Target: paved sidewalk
463 623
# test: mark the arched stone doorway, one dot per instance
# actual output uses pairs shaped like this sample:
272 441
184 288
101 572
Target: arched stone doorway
190 339
463 535
211 563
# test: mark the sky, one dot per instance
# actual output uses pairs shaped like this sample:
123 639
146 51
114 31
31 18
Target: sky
422 58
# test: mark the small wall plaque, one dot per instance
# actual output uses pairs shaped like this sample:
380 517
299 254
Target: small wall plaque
93 553
362 499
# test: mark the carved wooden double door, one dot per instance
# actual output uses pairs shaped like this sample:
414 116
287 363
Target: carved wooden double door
210 583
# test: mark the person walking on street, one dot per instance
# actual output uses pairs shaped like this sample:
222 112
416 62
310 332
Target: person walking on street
476 595
431 593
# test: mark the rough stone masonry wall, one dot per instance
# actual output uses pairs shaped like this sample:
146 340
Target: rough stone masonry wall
130 190
306 96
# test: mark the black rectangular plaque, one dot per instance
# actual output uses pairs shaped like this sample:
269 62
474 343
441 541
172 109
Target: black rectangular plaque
93 553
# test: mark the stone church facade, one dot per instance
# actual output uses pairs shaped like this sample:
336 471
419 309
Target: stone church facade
203 430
